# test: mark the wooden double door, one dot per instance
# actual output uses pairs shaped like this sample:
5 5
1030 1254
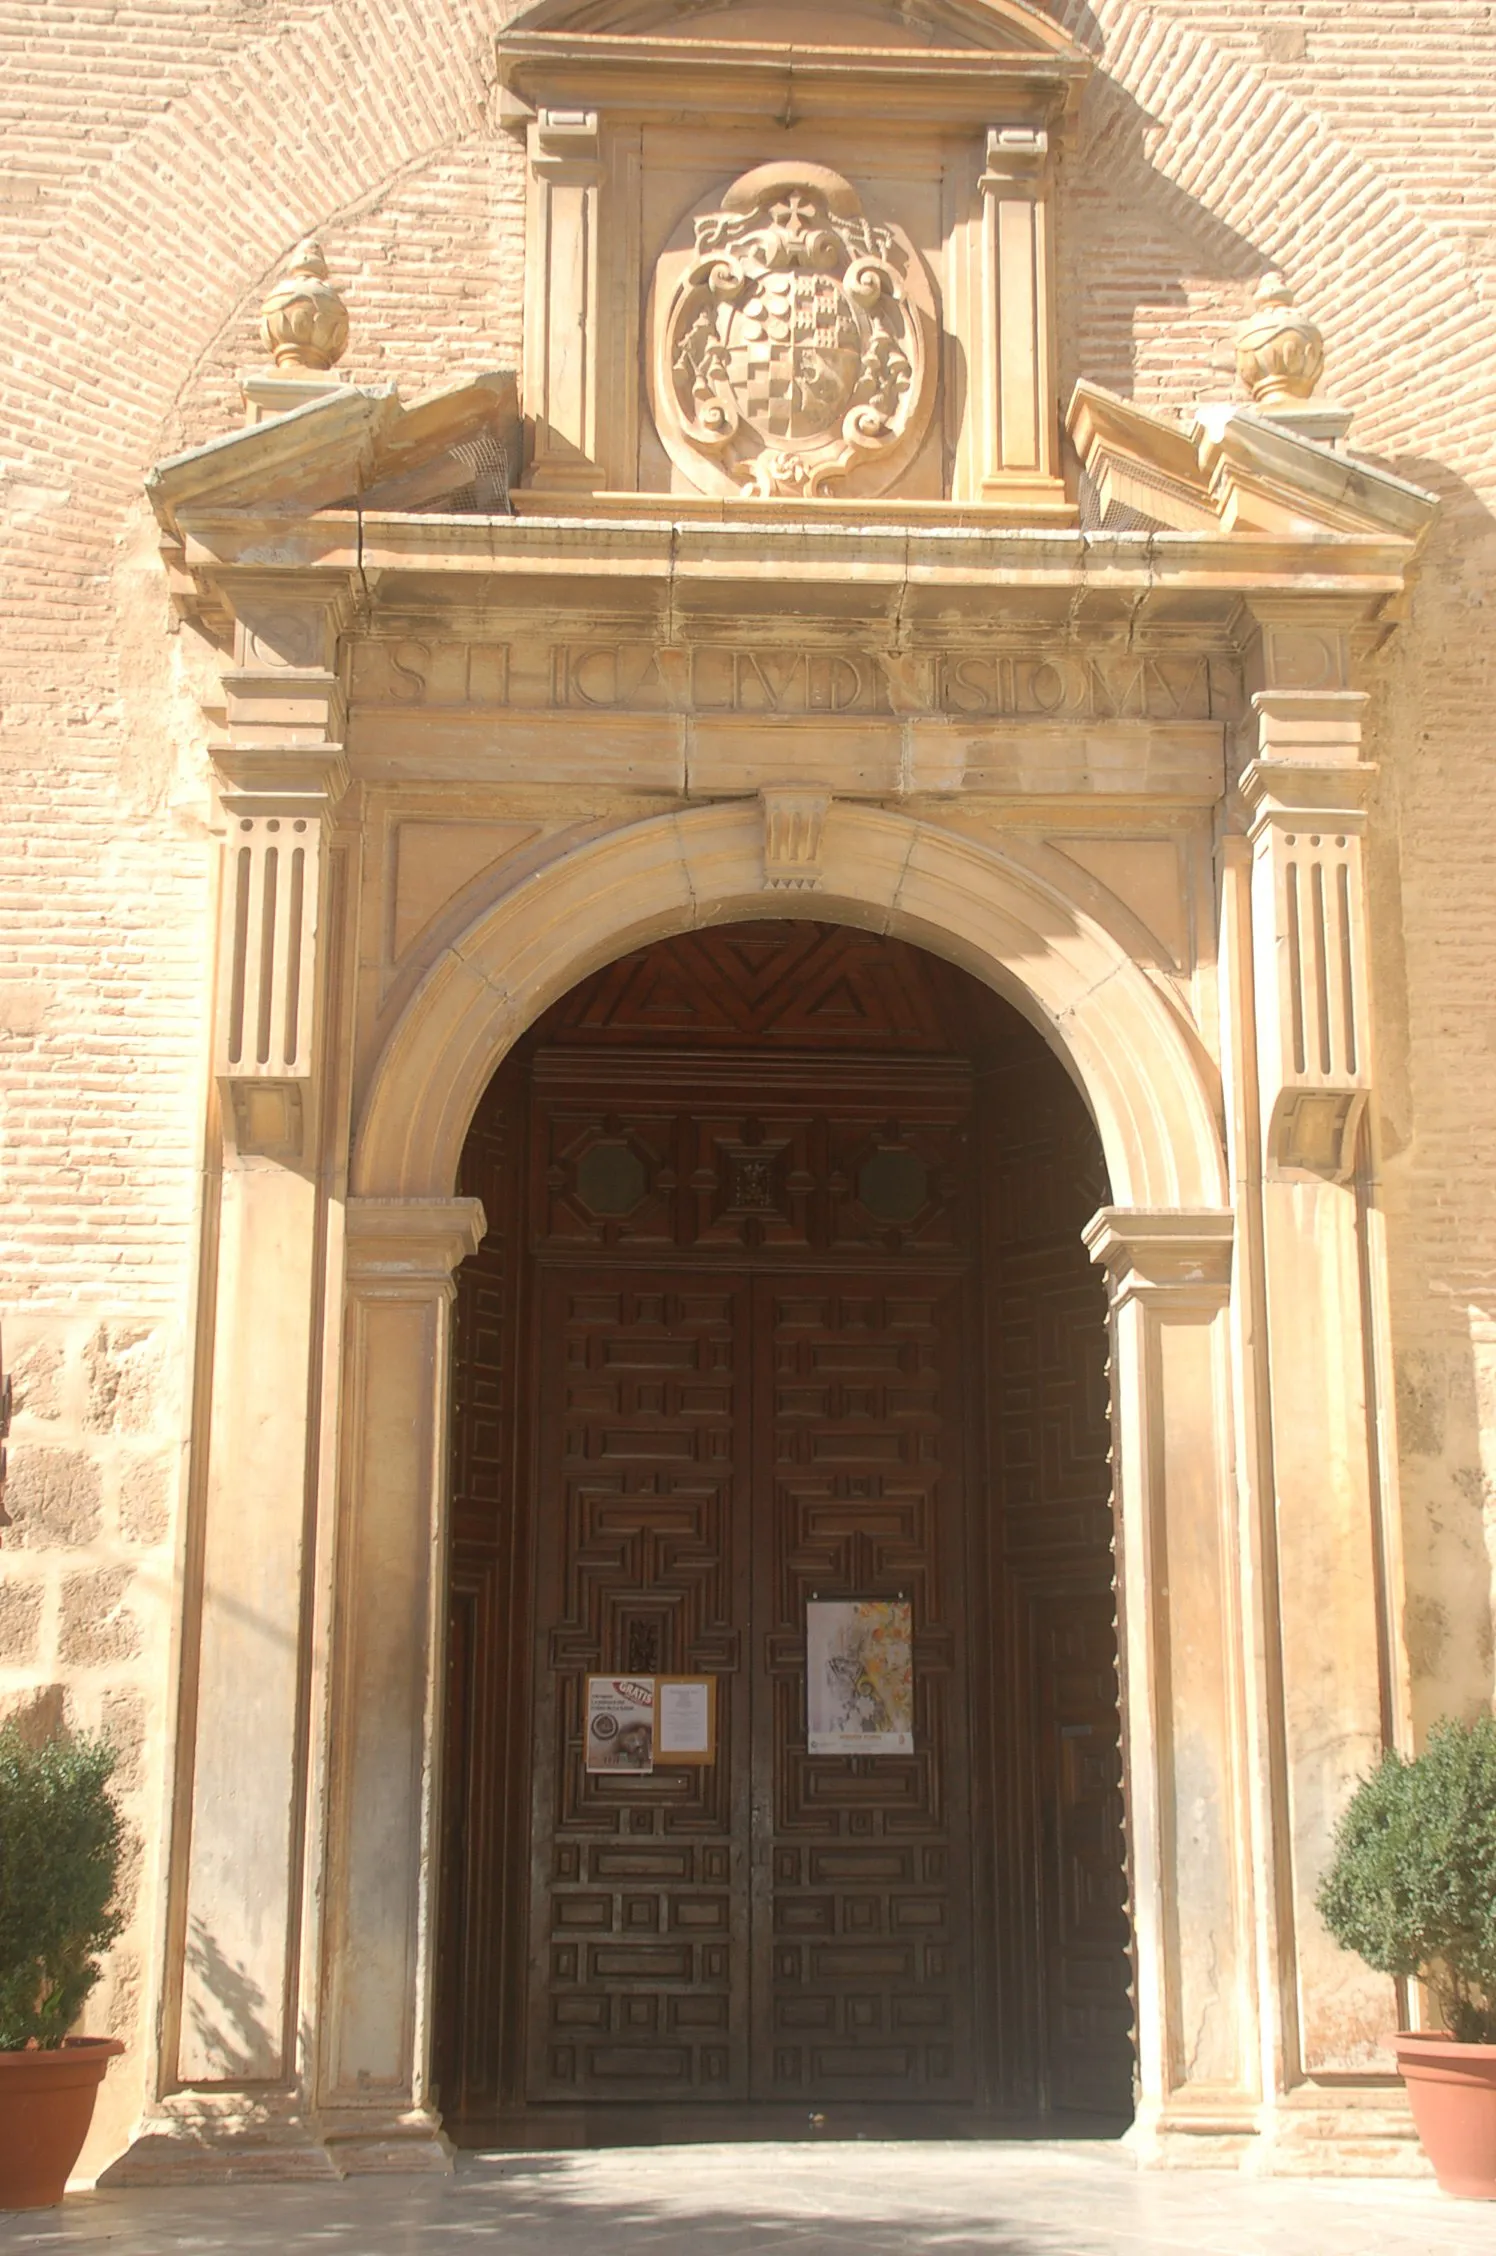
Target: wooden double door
752 1328
718 1449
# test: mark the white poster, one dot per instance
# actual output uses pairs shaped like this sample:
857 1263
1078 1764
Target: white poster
620 1722
859 1676
684 1719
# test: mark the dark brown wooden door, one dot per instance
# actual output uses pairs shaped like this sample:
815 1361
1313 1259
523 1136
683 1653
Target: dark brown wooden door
1082 1897
862 1935
714 1452
639 1941
776 1316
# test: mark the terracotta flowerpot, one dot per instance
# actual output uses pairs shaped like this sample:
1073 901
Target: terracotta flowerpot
1452 2088
46 2106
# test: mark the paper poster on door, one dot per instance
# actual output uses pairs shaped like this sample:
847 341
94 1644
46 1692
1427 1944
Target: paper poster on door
859 1676
620 1723
685 1719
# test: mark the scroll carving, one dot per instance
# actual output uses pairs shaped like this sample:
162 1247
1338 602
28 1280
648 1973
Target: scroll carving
793 344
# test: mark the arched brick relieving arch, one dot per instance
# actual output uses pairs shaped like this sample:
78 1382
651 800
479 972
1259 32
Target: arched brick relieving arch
1145 1078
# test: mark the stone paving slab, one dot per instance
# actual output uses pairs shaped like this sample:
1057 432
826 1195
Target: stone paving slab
959 2199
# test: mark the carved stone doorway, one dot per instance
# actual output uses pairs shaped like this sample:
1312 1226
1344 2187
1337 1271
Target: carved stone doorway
783 1296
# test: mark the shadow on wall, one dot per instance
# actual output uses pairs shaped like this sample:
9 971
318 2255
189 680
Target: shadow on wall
238 2036
1429 863
1151 283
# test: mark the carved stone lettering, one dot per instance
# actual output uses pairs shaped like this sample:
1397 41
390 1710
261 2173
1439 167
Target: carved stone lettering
711 679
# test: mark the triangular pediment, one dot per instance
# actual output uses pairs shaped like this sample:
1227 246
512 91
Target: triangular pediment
989 26
1234 469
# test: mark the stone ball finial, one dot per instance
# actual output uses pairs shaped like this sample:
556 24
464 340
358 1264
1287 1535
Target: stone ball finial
303 320
1280 353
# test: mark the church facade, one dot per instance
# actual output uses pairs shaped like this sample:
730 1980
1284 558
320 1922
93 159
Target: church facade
749 908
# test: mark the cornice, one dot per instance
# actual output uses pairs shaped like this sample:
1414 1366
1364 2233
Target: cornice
643 78
818 568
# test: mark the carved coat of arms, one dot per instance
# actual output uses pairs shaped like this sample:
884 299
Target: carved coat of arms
792 347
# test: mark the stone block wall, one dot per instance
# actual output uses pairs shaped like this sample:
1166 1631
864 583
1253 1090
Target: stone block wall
164 163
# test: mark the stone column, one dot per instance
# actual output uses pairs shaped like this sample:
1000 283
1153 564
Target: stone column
1304 797
1180 1631
381 1858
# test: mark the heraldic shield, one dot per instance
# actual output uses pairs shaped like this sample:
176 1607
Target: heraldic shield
796 344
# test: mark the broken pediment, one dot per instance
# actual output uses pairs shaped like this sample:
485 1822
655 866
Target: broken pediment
1234 469
355 446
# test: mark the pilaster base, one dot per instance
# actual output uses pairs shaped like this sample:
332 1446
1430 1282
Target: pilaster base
1323 2132
1188 2139
227 2147
1316 2131
239 2145
370 2145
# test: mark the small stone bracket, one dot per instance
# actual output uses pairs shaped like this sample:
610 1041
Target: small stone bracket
561 139
1015 153
794 823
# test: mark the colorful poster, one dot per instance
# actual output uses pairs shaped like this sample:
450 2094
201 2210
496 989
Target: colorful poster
859 1676
620 1723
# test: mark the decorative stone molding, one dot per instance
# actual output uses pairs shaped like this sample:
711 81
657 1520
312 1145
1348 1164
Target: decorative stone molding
794 822
795 344
303 320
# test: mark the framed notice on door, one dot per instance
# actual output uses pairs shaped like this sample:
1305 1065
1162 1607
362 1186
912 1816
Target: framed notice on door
685 1719
859 1676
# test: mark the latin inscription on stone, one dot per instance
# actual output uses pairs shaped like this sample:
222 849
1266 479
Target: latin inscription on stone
721 679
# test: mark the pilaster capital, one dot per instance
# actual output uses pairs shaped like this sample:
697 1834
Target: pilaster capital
284 695
1176 1258
1016 160
566 143
1309 795
403 1249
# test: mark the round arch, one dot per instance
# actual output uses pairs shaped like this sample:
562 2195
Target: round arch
1142 1075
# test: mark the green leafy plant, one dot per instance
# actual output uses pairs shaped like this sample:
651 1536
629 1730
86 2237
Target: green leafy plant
60 1846
1412 1884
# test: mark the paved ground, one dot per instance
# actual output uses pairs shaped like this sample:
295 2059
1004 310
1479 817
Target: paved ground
961 2199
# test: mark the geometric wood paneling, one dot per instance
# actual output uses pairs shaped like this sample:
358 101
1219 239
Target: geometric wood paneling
783 1294
862 1908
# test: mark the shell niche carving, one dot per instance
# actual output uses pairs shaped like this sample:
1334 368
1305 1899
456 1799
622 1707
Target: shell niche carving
793 341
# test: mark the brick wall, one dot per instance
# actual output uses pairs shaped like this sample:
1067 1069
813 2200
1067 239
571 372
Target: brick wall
162 161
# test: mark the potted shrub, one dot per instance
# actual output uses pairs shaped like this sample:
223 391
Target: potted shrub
60 1842
1412 1888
